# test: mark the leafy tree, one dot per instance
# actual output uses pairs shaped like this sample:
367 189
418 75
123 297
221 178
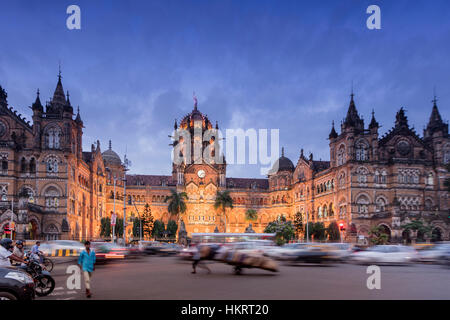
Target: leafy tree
177 205
106 230
105 227
251 215
378 236
136 225
418 226
284 230
298 223
158 229
147 221
316 230
223 201
333 231
171 228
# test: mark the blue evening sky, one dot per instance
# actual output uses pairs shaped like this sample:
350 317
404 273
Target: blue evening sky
282 64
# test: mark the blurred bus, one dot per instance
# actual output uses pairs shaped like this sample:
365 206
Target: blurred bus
230 237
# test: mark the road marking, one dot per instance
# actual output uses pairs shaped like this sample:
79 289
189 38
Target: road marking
59 288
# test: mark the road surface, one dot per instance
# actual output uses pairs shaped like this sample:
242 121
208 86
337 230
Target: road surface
153 277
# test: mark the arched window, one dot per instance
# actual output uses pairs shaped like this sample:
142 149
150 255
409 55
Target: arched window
341 155
342 180
33 165
319 214
52 197
380 204
52 138
52 165
376 177
428 204
330 210
325 211
363 204
361 149
430 180
362 175
384 177
23 165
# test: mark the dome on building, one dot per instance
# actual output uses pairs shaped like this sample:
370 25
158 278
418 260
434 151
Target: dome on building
282 164
110 157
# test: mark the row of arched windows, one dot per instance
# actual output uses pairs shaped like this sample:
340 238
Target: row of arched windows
324 187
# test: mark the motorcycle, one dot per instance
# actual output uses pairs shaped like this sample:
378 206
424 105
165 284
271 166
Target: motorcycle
44 282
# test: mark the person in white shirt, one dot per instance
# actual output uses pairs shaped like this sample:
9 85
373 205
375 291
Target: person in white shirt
6 255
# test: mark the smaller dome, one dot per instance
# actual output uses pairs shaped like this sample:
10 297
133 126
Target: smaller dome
282 164
110 157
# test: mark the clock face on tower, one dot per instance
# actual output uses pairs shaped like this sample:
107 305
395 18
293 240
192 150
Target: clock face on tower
201 173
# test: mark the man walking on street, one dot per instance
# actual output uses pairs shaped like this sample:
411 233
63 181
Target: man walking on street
86 262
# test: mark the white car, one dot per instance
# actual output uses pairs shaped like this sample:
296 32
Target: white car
435 253
386 254
281 253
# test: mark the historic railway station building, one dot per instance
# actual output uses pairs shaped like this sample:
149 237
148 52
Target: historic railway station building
60 191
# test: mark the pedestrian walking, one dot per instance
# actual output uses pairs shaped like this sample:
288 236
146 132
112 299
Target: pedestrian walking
87 265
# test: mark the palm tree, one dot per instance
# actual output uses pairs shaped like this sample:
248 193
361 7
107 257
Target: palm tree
251 215
177 206
223 201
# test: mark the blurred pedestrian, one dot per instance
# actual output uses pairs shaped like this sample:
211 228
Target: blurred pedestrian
87 265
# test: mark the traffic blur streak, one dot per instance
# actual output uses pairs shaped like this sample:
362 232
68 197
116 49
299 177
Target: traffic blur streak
330 253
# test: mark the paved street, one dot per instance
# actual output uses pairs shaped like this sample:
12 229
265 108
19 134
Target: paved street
169 278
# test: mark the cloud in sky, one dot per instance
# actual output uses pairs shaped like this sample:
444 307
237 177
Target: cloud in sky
257 64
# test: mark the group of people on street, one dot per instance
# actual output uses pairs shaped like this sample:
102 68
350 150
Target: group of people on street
14 255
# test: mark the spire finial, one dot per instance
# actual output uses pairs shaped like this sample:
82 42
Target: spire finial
110 145
38 93
59 70
282 151
434 97
195 100
352 94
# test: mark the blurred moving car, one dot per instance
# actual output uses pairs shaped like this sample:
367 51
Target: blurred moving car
340 252
15 285
280 253
316 253
150 247
435 253
105 251
386 254
169 249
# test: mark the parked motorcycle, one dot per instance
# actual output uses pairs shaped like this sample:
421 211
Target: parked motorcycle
44 282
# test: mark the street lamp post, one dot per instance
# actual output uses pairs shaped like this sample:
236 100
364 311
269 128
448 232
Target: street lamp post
126 164
140 221
114 212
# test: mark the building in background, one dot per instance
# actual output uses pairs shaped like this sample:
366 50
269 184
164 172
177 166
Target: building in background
61 192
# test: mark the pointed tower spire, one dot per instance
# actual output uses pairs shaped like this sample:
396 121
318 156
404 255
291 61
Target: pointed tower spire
282 151
58 96
435 123
110 148
353 119
175 126
78 118
333 133
37 105
217 125
373 123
